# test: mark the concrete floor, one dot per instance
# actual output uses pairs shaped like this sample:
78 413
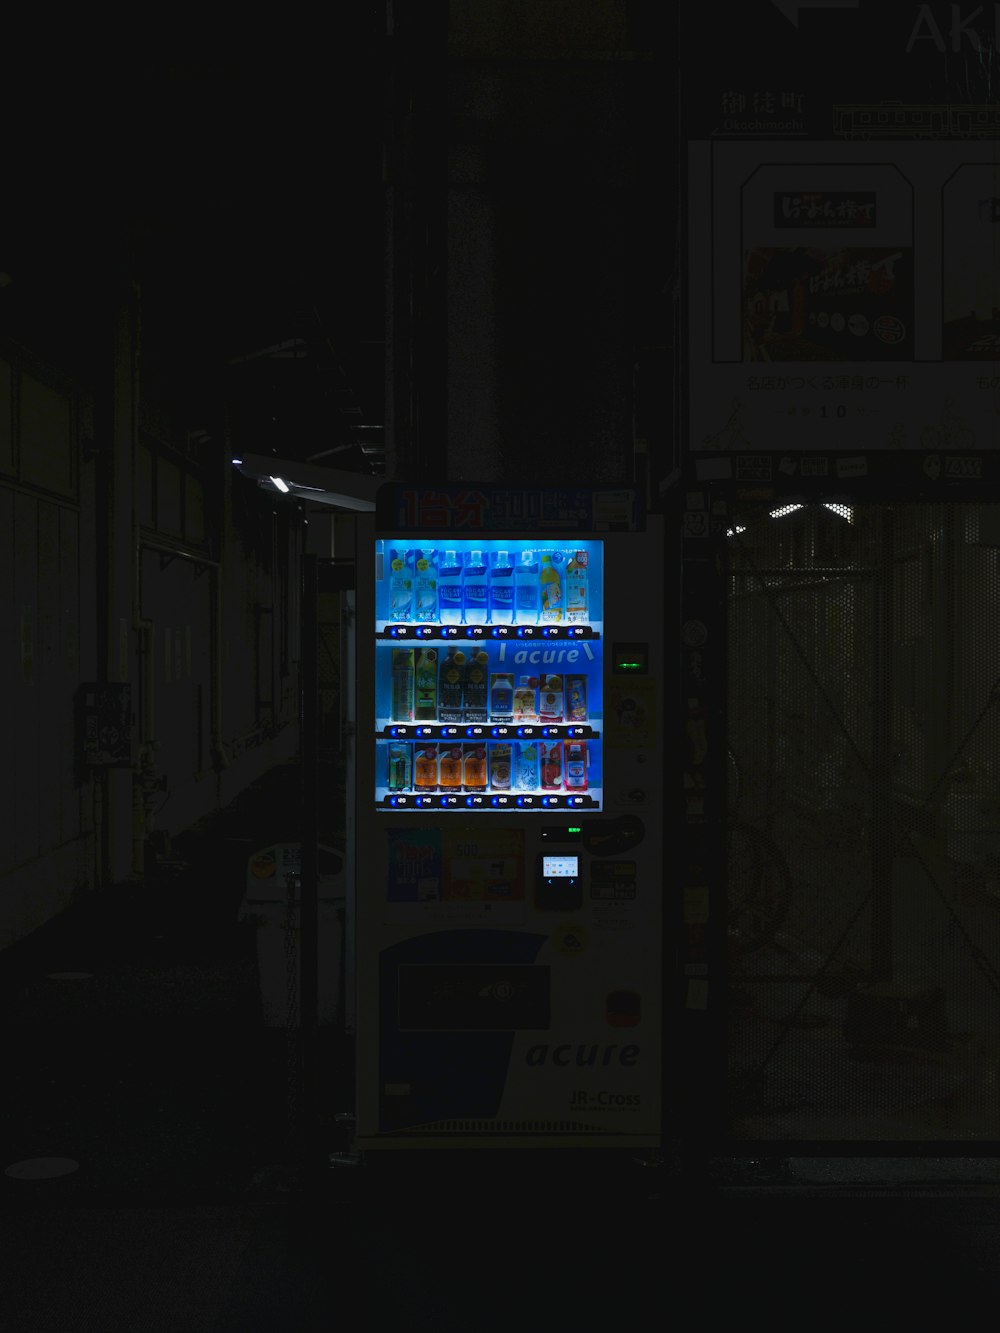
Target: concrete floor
135 1053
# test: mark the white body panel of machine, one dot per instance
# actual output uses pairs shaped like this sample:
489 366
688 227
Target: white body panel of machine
508 947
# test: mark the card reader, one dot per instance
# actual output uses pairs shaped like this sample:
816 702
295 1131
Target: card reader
557 881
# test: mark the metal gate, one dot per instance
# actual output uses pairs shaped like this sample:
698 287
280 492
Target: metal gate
863 735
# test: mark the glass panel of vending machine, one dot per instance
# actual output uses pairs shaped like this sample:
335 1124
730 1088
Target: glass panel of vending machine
488 674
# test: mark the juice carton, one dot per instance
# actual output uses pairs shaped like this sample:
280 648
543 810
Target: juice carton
449 581
576 765
474 774
500 758
426 596
501 696
576 588
401 585
425 767
398 778
501 589
450 686
402 684
476 687
475 589
526 589
551 757
576 698
550 699
425 702
526 700
526 766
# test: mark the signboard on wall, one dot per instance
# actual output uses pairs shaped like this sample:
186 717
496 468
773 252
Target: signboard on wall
843 230
806 339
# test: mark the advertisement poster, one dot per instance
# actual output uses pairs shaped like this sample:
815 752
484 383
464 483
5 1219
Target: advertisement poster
971 264
631 713
853 303
456 865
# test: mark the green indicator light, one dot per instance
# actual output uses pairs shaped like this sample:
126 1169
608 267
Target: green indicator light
629 666
574 828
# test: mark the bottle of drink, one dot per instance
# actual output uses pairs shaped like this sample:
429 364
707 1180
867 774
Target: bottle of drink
576 765
502 589
526 589
476 687
402 684
500 766
426 587
474 776
526 700
425 703
450 589
576 588
526 767
550 699
451 681
399 766
501 696
576 698
551 765
425 768
450 776
475 589
551 588
401 585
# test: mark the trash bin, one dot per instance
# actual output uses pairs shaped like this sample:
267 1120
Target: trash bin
265 903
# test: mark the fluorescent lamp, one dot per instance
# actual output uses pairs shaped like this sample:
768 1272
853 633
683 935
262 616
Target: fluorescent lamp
280 485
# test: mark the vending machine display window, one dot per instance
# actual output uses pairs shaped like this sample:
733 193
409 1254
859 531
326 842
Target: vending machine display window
488 674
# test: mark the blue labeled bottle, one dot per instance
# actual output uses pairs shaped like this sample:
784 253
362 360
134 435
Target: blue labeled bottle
450 589
475 589
526 589
501 589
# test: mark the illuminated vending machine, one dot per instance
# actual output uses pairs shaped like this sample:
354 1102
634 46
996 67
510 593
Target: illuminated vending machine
508 940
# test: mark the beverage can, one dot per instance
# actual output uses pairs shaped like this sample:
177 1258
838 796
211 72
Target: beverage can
576 698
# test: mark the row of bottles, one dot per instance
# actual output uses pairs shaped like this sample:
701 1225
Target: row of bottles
460 687
482 766
429 586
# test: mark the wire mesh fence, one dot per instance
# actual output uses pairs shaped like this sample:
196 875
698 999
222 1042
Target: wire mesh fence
863 784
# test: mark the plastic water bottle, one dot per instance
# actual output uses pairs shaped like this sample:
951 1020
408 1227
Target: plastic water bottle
426 587
401 585
450 589
526 589
476 589
502 589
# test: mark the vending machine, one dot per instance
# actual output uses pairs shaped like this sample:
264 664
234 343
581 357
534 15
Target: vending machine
510 861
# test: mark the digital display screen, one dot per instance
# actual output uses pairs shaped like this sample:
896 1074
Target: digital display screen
560 867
